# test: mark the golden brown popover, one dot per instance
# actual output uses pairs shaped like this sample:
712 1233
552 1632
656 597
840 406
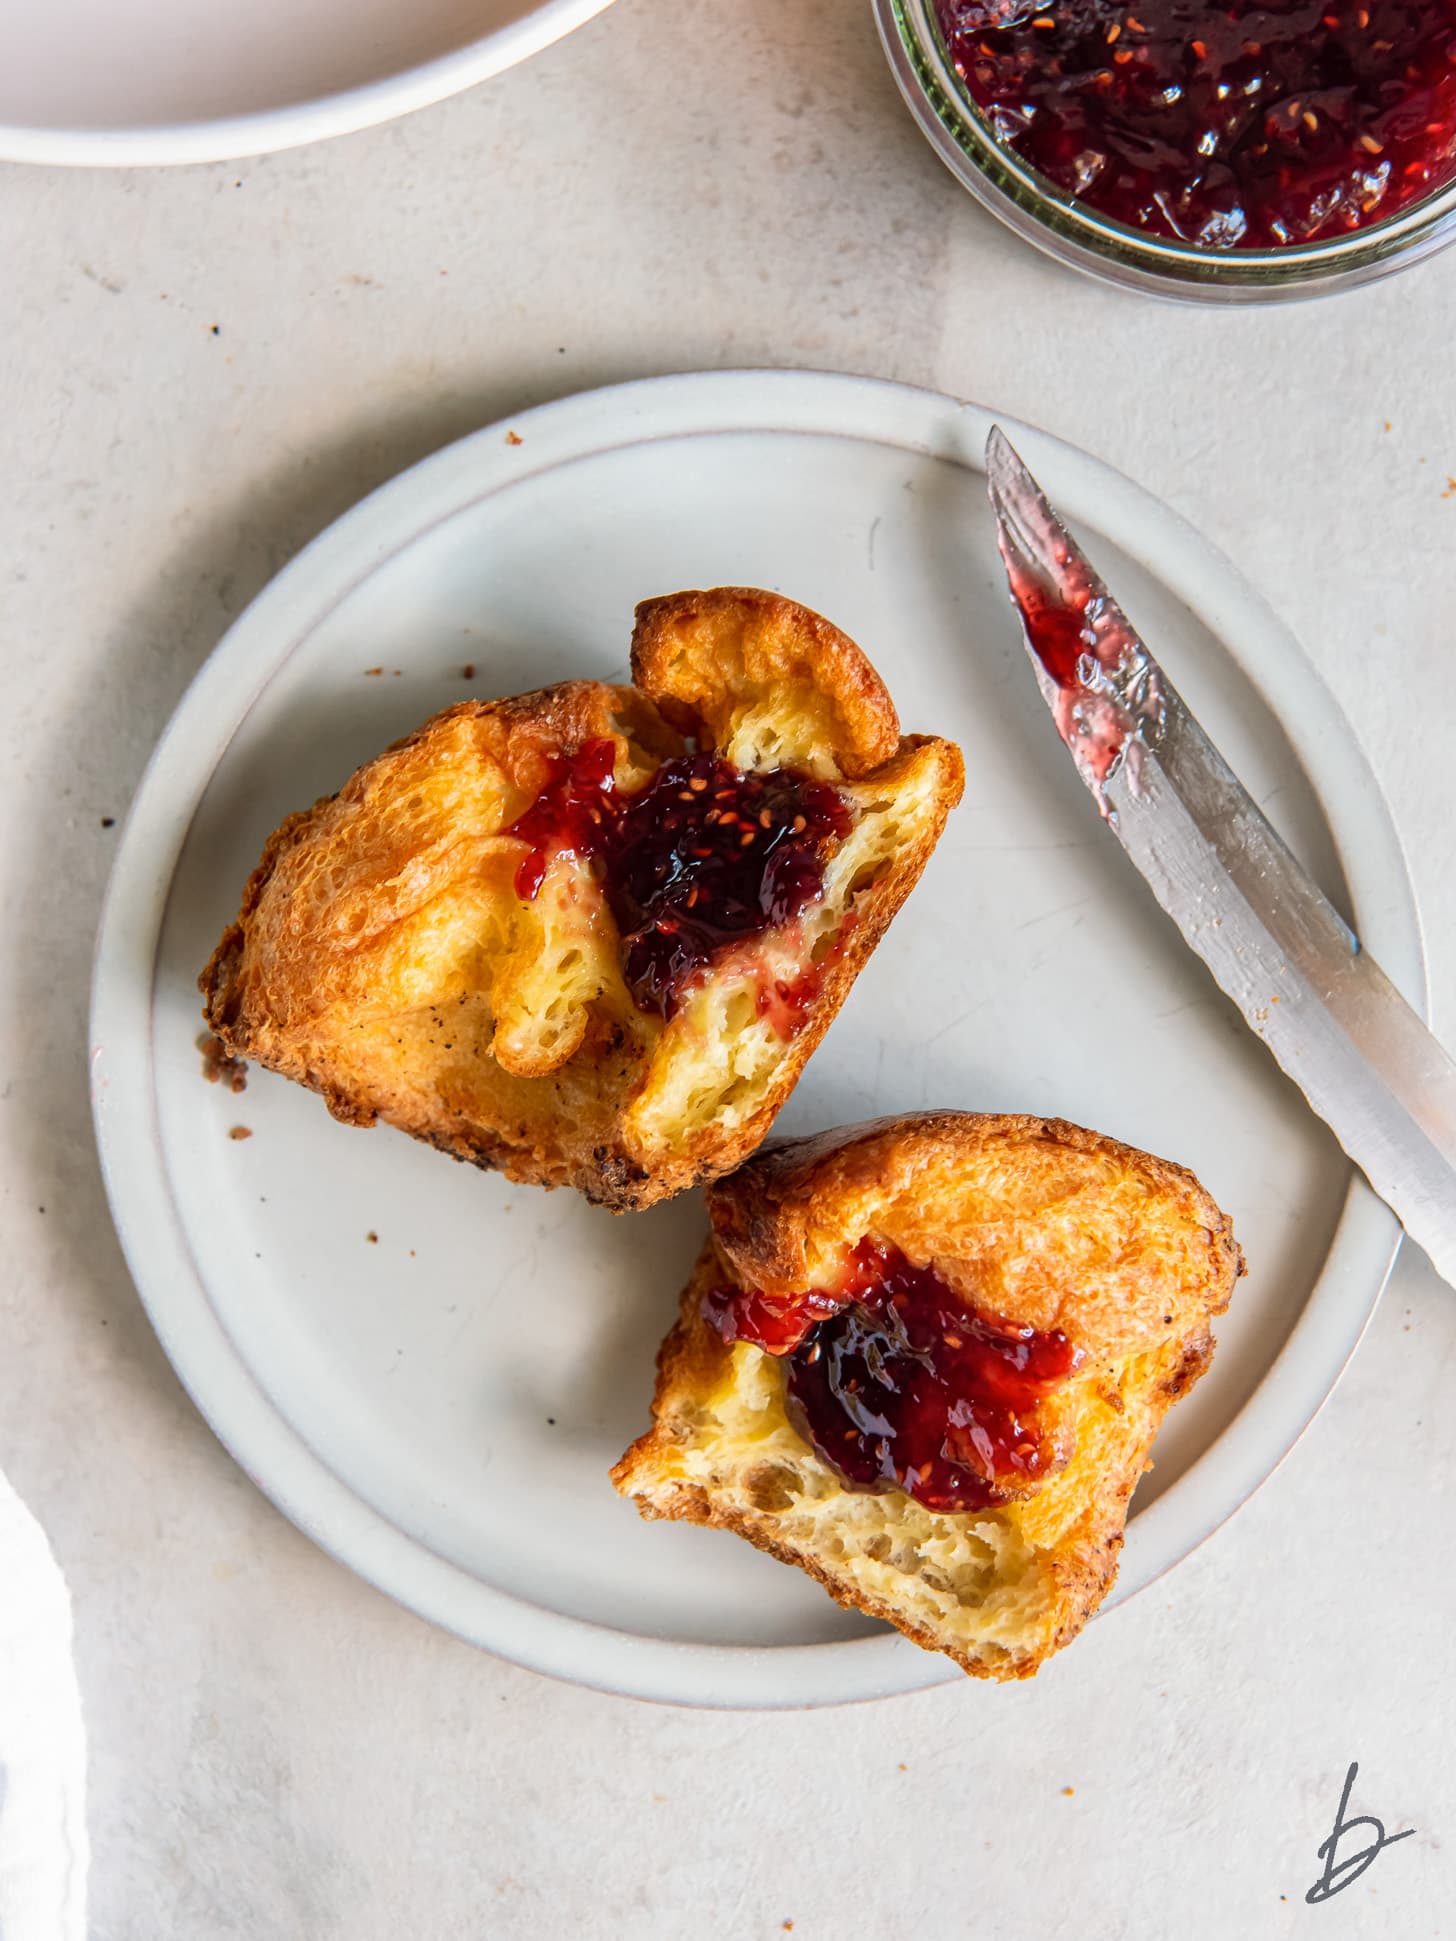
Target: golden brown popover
924 1359
590 935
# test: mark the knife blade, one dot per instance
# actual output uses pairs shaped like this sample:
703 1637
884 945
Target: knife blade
1275 944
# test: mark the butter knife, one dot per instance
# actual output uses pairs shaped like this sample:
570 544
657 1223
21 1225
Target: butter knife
1332 1018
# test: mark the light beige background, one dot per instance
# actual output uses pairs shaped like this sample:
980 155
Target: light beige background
200 369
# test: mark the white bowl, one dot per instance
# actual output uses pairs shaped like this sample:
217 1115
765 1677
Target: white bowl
98 82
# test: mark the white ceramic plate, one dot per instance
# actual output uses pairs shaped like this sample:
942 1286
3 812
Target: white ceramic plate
118 82
439 1408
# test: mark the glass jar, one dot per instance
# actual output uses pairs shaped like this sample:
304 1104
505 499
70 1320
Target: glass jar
1076 234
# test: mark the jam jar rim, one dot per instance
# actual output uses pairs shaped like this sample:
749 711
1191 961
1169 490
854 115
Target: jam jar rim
1073 233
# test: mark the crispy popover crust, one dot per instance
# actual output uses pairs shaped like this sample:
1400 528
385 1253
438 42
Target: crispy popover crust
1035 1220
383 957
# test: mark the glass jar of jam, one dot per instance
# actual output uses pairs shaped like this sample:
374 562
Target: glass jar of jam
1199 150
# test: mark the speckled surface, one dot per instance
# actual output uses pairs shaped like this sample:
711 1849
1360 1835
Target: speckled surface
199 370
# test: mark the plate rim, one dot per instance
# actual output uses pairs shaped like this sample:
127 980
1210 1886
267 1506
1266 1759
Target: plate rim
222 1387
267 131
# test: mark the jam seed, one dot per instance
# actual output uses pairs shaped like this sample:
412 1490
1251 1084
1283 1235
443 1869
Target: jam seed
1112 33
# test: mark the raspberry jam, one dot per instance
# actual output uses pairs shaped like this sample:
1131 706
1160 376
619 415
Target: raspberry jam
1094 663
903 1385
777 1323
704 857
1228 127
572 812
